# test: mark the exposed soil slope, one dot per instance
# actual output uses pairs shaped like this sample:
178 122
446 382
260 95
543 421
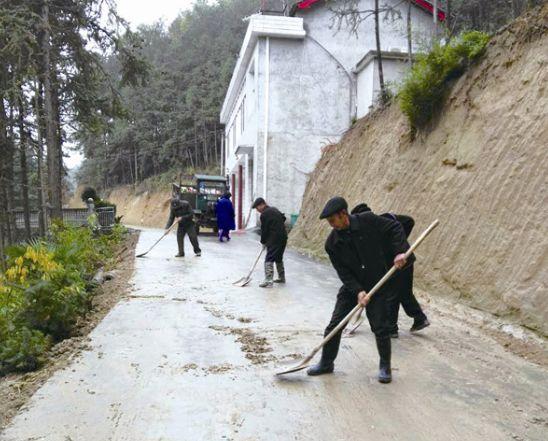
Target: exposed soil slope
147 209
481 169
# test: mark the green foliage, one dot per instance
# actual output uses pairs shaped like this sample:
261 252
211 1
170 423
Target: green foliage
172 120
52 306
425 88
21 349
89 193
46 288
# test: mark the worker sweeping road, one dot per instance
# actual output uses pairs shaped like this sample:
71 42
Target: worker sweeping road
402 282
359 247
274 237
181 209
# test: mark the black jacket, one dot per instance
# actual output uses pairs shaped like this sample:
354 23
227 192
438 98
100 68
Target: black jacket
180 208
273 232
361 254
407 222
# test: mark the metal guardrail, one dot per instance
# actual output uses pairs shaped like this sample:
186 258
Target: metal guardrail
76 217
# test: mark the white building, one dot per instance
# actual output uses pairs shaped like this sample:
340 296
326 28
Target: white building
297 85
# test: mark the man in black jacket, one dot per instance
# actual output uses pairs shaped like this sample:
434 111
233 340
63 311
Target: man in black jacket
403 282
359 247
274 237
182 211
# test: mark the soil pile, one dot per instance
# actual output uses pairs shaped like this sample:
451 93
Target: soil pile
481 168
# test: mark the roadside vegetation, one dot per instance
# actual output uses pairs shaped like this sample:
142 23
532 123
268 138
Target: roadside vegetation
423 92
46 288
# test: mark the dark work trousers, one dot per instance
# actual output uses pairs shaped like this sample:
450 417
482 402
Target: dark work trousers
377 314
189 229
275 253
402 292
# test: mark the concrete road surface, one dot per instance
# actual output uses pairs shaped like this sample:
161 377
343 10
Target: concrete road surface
190 357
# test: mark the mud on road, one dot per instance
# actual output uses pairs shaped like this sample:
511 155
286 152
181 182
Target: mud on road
188 356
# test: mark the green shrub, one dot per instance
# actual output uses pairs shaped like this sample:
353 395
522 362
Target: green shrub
423 91
46 288
101 203
89 193
53 306
21 349
76 249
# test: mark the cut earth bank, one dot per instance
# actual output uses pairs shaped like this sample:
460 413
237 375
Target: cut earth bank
481 168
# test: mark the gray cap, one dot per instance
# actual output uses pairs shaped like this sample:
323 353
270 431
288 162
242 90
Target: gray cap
334 205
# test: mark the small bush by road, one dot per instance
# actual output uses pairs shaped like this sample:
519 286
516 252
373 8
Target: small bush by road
46 287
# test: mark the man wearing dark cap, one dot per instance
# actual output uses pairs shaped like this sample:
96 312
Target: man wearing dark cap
182 211
402 282
274 238
359 247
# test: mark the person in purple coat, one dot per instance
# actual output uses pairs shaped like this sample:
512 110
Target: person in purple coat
224 211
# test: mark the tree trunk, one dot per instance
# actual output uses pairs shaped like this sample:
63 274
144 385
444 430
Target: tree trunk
10 179
195 147
206 156
215 140
136 165
409 34
23 164
384 97
54 171
448 22
43 211
5 163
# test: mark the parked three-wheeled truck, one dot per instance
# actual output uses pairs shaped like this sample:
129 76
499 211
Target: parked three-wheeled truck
202 195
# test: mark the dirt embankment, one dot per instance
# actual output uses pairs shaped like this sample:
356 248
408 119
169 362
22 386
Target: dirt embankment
141 207
147 209
482 169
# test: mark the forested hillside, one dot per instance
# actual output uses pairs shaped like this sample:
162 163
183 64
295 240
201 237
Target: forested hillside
171 119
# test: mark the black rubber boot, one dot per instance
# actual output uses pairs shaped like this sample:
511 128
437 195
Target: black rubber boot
180 245
281 272
385 370
269 275
417 326
321 368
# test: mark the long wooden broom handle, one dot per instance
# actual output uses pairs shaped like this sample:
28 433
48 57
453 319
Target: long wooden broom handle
164 235
378 286
256 261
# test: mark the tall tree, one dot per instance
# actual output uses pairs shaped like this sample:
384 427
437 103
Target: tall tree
384 94
409 33
54 154
23 163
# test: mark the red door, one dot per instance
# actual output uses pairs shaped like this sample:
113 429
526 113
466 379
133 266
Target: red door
240 195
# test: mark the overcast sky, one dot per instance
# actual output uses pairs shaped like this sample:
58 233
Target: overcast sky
148 11
140 12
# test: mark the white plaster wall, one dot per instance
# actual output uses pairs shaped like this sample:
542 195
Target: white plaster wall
364 88
368 83
348 48
310 97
